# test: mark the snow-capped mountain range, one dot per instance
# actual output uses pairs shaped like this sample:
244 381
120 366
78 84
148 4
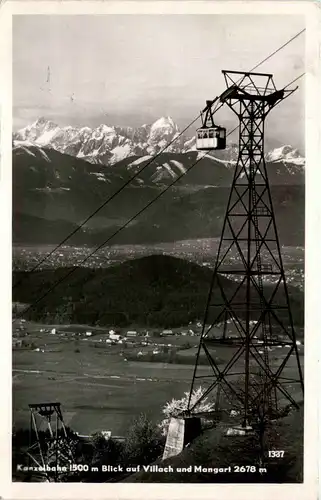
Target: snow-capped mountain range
286 154
106 144
60 175
110 144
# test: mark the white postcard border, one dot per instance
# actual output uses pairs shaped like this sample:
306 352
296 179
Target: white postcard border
307 490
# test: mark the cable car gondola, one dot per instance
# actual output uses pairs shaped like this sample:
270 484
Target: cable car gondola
210 136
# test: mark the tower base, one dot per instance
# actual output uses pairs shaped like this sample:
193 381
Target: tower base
181 431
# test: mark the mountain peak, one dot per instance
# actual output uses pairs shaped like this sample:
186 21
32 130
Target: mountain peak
165 121
40 121
284 153
43 121
105 128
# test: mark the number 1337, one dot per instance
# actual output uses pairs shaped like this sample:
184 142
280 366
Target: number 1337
276 453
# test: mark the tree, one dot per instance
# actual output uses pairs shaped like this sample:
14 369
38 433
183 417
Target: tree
144 442
105 450
176 406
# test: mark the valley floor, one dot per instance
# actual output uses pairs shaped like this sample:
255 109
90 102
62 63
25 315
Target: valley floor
100 389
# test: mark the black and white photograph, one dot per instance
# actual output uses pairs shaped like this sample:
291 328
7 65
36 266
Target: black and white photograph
158 248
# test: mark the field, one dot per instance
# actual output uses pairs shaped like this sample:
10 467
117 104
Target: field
97 387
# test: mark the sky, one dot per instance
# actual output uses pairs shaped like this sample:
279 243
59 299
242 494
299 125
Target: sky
132 69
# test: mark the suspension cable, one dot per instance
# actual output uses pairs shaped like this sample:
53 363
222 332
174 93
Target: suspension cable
110 198
74 269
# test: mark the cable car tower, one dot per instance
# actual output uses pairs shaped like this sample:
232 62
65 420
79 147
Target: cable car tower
53 446
248 310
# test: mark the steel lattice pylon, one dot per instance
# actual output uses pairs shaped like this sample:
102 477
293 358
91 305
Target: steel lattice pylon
250 315
54 450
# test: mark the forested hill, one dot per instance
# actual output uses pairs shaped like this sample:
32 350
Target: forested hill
151 291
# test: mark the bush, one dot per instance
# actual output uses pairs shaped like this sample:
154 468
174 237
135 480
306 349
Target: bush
105 451
144 442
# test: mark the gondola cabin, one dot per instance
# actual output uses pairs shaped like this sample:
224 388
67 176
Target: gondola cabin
208 138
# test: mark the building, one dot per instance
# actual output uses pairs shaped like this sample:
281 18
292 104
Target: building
166 332
131 333
114 336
